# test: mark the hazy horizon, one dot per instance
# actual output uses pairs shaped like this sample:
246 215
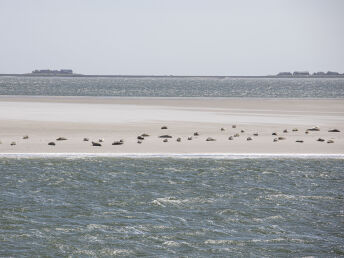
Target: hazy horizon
176 37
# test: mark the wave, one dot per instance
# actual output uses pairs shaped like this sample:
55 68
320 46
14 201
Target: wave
176 155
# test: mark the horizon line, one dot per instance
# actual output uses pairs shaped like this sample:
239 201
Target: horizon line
170 75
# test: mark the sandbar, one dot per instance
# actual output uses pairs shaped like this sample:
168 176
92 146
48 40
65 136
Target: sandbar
45 118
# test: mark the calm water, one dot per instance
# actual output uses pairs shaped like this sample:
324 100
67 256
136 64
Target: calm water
171 207
174 87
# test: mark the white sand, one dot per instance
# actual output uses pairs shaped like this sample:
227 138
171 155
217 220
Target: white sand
46 118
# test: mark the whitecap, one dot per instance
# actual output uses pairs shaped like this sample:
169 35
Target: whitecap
171 243
219 241
156 202
169 200
108 251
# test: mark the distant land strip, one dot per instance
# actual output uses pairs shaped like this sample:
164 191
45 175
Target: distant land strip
173 76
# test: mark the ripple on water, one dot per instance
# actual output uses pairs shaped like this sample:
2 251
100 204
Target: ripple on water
129 207
175 87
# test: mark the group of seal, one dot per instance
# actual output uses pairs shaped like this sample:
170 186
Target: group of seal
313 129
165 137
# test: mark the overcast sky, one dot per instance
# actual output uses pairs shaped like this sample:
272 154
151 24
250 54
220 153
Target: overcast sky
180 37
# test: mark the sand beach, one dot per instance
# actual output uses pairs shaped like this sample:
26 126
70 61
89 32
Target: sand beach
109 119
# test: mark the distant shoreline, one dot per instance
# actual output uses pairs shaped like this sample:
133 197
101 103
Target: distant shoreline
170 76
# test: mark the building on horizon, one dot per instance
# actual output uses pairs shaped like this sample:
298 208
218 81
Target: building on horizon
52 72
66 71
319 73
284 74
332 73
301 73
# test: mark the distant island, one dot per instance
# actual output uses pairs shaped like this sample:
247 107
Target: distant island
308 74
70 73
53 72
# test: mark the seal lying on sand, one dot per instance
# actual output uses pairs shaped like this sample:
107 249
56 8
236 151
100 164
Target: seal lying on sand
165 136
315 128
96 144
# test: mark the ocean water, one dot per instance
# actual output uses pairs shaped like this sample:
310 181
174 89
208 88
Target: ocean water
175 87
171 207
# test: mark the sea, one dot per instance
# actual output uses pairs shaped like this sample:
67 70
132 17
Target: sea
174 87
172 206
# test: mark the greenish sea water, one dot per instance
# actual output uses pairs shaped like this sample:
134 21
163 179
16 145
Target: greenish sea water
168 207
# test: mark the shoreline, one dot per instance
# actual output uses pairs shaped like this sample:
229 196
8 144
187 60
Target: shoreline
176 155
57 97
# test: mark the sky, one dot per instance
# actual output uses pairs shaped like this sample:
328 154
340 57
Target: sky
172 37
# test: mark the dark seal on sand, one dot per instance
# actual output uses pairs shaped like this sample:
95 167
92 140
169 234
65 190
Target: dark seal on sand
165 136
96 144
